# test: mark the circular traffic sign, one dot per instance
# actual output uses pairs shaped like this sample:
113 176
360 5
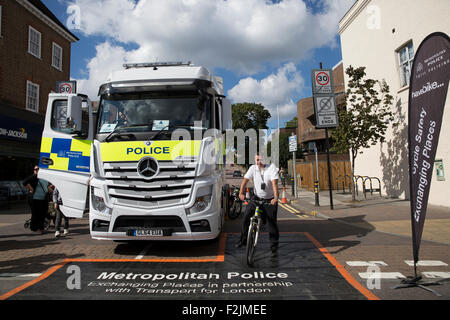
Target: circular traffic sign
65 88
325 104
322 79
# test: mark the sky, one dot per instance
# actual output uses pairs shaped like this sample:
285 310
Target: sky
264 49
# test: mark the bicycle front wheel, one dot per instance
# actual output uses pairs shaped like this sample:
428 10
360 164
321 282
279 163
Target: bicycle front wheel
251 243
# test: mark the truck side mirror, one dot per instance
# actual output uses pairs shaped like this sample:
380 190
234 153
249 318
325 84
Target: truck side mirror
74 114
226 114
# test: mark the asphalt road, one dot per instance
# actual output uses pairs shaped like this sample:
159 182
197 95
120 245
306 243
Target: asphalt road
318 259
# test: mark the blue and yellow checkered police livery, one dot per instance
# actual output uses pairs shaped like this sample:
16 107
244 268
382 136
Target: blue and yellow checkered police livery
66 154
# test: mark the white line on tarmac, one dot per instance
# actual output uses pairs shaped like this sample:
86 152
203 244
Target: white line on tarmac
436 274
143 252
426 263
381 275
366 263
18 276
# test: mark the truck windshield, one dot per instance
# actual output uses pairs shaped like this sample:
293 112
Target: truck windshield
153 112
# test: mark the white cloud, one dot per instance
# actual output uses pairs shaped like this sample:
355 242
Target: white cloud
108 58
272 91
239 35
235 34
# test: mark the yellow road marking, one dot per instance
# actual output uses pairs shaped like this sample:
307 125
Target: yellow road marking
287 208
293 210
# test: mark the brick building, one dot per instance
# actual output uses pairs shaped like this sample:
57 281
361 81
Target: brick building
34 54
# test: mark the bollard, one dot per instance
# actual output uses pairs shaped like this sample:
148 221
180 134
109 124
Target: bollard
316 192
293 191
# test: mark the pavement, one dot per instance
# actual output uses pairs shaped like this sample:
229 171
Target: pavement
374 212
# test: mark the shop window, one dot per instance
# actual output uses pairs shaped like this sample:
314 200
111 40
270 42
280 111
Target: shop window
32 97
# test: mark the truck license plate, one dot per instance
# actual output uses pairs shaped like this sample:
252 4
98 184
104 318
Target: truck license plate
149 232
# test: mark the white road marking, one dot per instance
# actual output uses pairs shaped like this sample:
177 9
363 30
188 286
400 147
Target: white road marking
143 252
426 263
18 276
366 263
381 275
436 274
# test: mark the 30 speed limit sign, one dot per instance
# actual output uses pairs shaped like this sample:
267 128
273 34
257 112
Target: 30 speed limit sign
66 87
322 81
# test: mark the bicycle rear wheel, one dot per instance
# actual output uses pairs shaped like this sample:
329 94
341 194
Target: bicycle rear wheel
251 243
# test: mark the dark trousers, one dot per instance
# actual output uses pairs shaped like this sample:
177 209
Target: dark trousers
269 216
60 215
39 210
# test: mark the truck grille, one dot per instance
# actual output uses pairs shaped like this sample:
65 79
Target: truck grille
172 186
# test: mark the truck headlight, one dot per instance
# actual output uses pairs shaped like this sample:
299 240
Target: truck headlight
98 202
202 200
201 203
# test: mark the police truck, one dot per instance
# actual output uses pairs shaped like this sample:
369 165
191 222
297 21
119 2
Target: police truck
148 164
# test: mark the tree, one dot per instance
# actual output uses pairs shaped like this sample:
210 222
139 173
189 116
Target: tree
247 116
284 153
365 120
292 123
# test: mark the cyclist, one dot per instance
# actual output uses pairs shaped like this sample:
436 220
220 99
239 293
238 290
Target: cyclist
265 185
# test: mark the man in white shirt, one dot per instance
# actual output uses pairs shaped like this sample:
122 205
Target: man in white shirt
265 181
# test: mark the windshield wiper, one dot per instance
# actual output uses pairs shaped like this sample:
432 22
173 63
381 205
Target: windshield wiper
169 126
116 131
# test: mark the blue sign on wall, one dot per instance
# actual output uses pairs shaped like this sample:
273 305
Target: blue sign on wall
20 130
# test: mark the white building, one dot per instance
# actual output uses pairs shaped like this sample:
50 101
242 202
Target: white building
383 36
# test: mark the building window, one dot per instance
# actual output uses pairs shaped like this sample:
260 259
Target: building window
57 57
405 61
34 42
32 96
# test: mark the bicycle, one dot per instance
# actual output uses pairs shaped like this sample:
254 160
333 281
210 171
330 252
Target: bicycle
235 203
253 229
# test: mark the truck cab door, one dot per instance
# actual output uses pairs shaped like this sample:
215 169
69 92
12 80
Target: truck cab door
66 150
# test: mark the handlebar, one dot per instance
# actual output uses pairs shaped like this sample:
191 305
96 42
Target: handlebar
260 202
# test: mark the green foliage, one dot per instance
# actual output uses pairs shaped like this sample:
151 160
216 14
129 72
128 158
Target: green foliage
284 153
249 115
292 123
367 116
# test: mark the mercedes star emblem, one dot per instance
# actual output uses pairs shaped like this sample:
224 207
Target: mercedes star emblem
148 167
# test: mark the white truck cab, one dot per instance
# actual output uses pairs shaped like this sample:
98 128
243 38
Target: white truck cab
151 162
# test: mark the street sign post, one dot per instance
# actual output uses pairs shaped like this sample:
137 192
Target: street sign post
292 143
325 111
293 149
322 81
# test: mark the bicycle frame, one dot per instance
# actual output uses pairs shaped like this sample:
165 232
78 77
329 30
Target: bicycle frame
253 230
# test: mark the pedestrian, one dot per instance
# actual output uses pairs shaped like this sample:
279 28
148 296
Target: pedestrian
38 190
57 200
265 183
